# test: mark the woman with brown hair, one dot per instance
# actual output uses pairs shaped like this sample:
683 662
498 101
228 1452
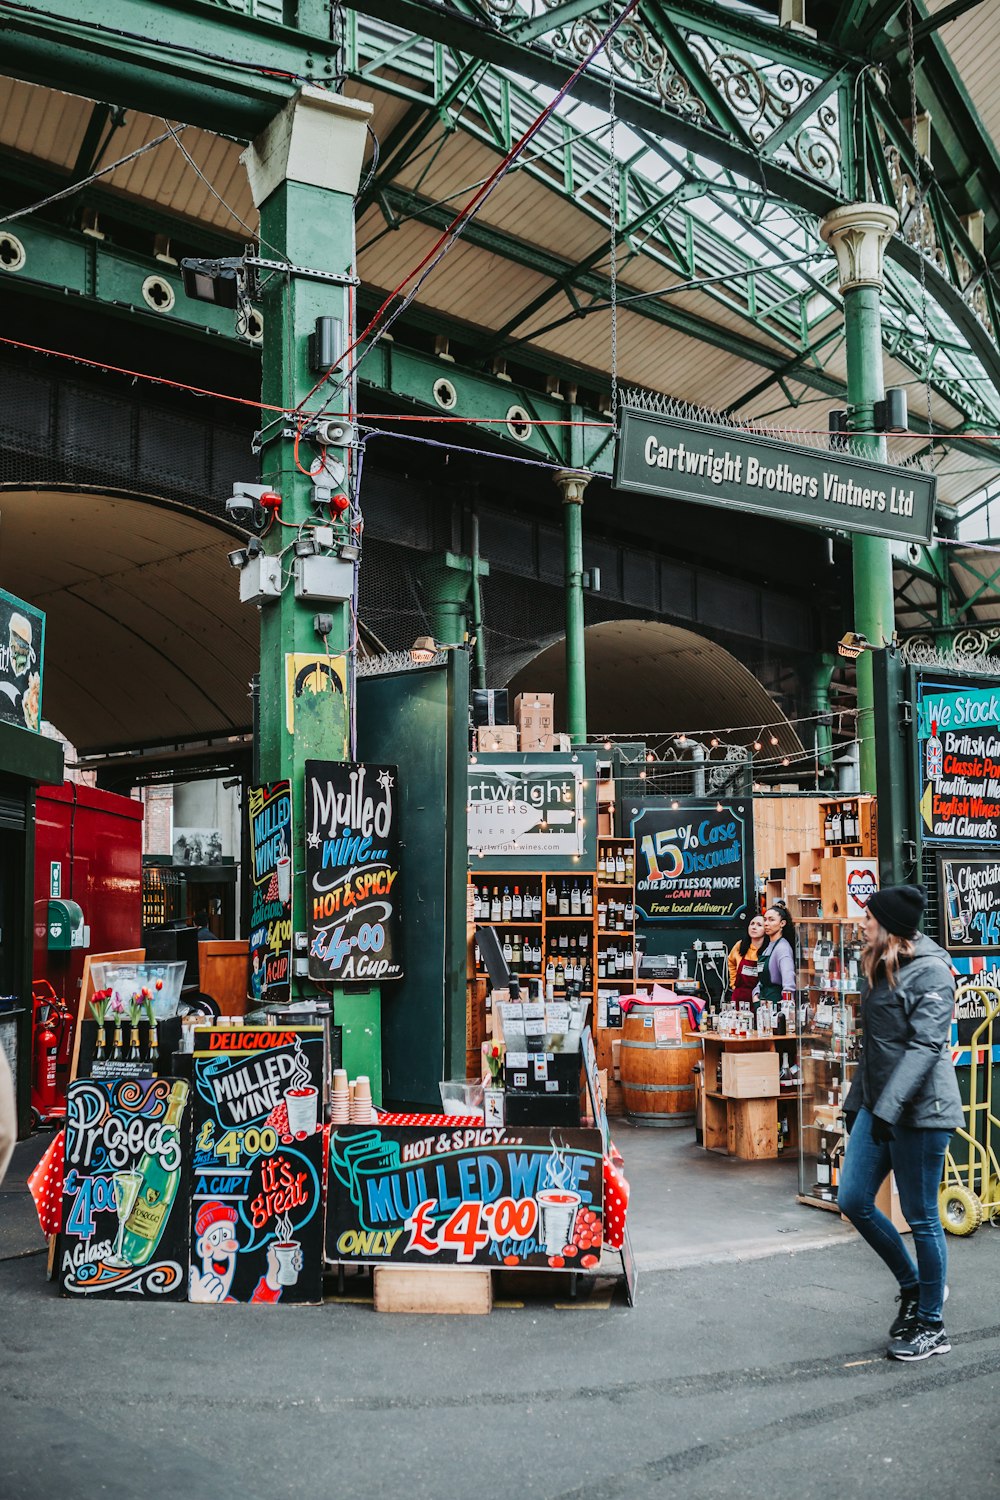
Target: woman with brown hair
901 1110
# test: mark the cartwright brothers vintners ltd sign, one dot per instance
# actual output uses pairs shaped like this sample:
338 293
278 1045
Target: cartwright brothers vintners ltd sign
722 466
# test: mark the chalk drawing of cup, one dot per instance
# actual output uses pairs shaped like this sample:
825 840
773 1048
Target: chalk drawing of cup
284 869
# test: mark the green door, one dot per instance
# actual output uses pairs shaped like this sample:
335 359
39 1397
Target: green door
418 720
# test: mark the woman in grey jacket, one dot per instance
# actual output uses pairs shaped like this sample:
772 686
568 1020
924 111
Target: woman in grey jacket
901 1110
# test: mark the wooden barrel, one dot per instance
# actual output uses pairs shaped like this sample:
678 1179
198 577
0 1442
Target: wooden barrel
657 1076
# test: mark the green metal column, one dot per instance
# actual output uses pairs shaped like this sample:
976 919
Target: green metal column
447 587
572 483
304 172
819 703
858 234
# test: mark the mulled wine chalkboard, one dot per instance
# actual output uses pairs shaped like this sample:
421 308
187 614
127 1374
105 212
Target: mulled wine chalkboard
256 1193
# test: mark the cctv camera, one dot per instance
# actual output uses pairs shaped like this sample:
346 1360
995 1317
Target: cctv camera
240 507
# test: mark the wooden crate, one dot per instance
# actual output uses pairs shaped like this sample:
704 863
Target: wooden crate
432 1289
752 1128
835 874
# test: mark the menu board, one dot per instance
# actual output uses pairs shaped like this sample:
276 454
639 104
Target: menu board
958 747
692 859
467 1197
125 1188
269 813
352 871
969 885
22 642
256 1192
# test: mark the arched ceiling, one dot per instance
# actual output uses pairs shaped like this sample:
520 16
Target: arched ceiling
731 141
645 678
147 642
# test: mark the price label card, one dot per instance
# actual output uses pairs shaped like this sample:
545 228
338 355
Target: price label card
517 1059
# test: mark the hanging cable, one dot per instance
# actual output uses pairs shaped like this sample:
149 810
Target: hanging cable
253 233
76 187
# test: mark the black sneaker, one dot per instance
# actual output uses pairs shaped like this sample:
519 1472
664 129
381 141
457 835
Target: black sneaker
908 1299
920 1342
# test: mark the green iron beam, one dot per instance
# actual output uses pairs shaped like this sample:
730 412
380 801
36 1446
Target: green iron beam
189 60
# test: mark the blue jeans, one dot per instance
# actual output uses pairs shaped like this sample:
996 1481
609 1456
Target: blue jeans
917 1158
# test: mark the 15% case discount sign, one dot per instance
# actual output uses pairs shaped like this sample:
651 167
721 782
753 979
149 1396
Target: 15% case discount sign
692 860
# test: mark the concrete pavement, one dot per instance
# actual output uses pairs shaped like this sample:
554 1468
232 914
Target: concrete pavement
751 1377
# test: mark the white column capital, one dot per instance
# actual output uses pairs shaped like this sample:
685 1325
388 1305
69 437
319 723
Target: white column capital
858 233
572 482
318 139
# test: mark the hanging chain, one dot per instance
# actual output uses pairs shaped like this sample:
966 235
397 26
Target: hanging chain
614 195
919 209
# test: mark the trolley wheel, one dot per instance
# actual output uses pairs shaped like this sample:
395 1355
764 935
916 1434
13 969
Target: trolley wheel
960 1211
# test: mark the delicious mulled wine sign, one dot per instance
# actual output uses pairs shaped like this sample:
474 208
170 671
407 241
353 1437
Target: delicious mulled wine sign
471 1196
125 1189
352 867
269 810
256 1221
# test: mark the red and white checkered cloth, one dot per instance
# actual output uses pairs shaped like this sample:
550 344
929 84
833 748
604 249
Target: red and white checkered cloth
46 1185
432 1122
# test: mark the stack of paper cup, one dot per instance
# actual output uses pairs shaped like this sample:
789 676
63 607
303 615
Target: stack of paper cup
361 1106
340 1099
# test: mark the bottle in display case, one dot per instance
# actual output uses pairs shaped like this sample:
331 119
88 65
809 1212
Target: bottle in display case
829 1005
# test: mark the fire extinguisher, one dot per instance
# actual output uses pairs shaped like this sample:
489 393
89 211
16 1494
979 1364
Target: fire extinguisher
53 1031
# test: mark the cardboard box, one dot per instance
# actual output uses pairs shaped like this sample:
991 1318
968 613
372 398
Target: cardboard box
502 737
846 885
605 823
750 1075
616 1059
534 717
887 1201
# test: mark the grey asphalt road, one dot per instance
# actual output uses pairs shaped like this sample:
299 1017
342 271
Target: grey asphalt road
765 1378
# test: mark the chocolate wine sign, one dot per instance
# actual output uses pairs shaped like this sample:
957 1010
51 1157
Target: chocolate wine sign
352 870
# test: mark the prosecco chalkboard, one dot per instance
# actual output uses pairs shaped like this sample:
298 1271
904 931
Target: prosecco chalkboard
125 1189
352 871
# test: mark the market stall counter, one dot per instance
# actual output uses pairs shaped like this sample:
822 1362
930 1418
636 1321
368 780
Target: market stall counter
225 1180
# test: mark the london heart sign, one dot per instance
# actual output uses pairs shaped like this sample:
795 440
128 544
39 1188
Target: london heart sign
737 470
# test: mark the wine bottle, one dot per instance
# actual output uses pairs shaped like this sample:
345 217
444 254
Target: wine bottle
516 905
145 1223
505 905
564 900
495 906
575 902
823 1165
550 898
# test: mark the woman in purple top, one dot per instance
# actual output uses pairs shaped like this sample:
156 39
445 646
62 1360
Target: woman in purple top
777 960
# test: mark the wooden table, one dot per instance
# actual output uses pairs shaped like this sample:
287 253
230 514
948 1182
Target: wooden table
741 1127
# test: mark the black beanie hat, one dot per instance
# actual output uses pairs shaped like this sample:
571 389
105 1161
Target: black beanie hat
898 908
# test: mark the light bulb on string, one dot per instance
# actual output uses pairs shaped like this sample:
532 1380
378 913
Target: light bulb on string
758 746
774 739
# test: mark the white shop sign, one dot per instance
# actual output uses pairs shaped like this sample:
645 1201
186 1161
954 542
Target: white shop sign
525 810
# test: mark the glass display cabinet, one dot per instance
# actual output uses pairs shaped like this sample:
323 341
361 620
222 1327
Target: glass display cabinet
829 1000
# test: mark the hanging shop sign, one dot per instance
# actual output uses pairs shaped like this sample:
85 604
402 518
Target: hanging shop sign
468 1196
125 1189
22 643
352 871
269 814
525 810
958 747
693 859
969 887
256 1223
708 465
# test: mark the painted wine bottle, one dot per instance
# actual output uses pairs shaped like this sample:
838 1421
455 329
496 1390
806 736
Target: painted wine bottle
160 1172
